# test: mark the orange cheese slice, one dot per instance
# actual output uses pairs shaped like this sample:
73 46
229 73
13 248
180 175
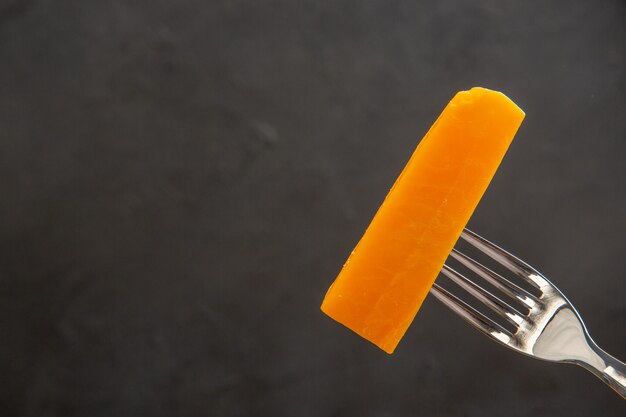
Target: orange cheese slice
386 278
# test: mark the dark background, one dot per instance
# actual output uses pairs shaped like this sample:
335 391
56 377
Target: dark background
180 181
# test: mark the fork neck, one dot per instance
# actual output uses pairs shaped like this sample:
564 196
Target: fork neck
609 369
565 339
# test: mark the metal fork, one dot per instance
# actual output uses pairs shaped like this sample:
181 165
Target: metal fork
548 327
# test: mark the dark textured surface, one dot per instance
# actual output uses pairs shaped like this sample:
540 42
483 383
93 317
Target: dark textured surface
180 181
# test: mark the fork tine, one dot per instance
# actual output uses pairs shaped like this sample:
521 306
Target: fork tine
494 303
495 279
469 314
516 265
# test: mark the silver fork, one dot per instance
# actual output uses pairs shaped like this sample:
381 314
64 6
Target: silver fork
548 327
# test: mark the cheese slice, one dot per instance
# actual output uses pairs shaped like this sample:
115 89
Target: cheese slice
386 278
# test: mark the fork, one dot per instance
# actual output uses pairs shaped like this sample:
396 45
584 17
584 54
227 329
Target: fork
548 326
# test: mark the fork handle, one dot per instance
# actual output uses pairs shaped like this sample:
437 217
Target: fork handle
607 368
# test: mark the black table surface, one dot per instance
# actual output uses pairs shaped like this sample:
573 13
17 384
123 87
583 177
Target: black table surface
180 182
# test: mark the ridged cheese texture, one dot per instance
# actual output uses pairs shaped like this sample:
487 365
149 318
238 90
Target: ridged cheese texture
386 278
